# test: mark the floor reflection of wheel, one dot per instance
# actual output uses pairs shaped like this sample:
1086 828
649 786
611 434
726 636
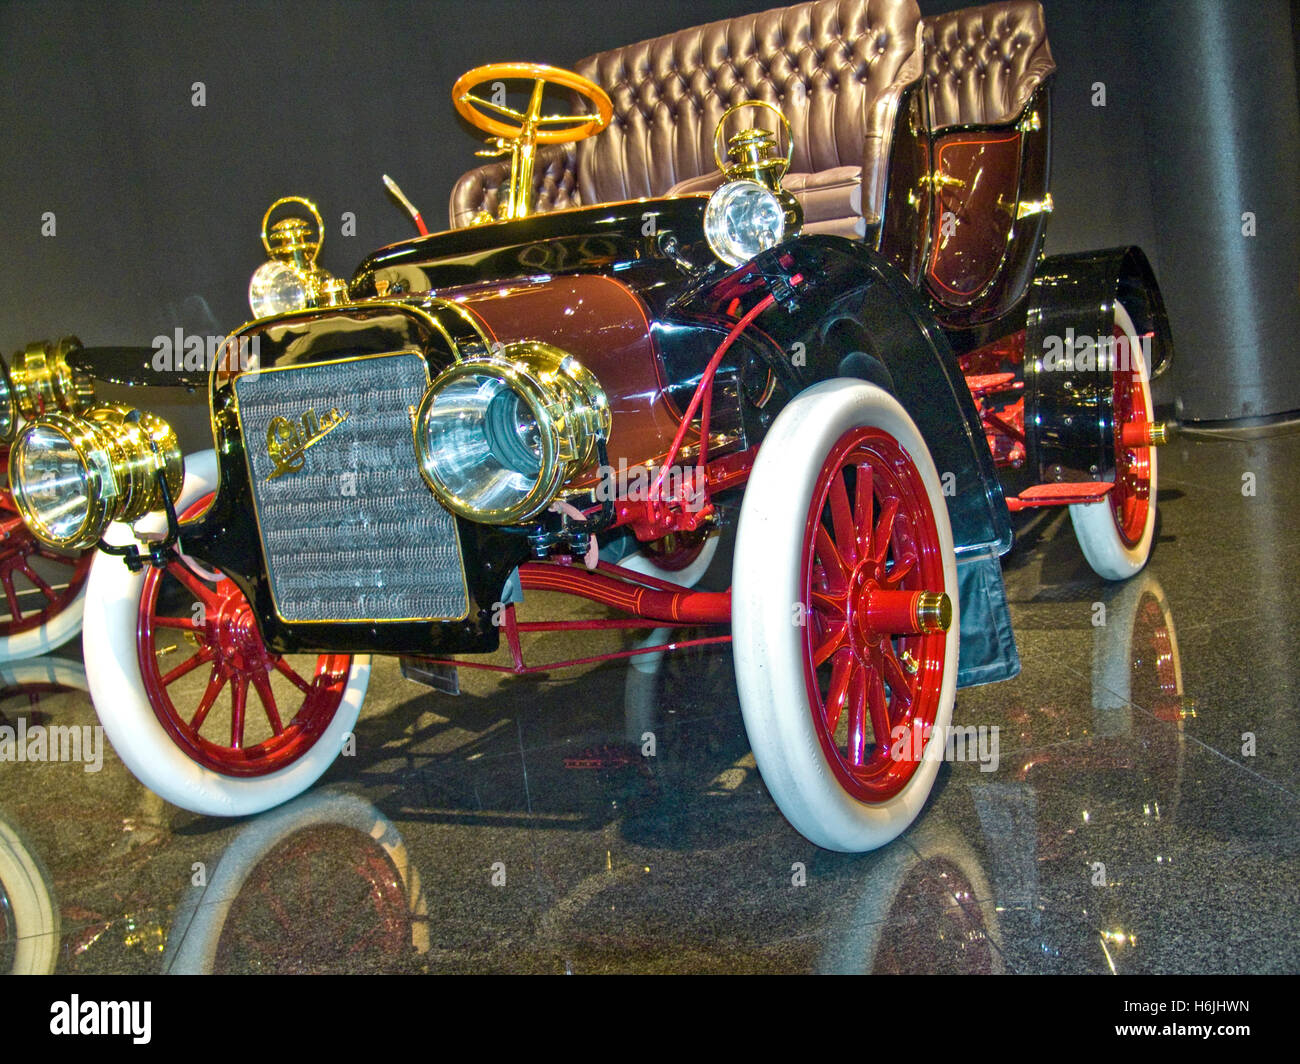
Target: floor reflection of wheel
925 908
29 919
843 525
1115 537
43 590
324 884
682 558
1135 657
193 702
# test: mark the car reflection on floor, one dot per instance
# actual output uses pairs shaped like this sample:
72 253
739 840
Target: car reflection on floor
328 882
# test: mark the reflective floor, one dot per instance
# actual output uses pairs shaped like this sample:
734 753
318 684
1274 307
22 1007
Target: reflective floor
1142 816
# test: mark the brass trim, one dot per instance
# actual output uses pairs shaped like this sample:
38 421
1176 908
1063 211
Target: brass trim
120 450
564 397
933 612
11 416
44 382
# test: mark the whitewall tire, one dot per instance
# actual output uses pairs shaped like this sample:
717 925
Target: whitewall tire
196 777
837 780
1116 535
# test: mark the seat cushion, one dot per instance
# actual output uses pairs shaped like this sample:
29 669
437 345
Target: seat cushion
831 199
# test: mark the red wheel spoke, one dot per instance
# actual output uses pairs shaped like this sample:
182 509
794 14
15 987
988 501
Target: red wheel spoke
187 666
837 639
864 506
216 681
264 692
826 603
898 573
841 673
846 535
14 609
39 581
857 703
899 682
879 710
238 699
54 556
884 531
835 570
286 670
193 583
185 624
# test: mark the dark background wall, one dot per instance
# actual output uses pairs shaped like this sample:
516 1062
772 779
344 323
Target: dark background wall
157 202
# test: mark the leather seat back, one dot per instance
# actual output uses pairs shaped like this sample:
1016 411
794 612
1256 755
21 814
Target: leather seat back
982 64
835 68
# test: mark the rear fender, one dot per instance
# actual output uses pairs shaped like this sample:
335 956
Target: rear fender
1068 417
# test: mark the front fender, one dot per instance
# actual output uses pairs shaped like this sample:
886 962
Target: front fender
858 317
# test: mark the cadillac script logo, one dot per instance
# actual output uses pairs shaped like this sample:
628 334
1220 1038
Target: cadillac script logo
287 441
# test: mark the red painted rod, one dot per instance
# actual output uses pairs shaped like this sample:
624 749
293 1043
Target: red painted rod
679 607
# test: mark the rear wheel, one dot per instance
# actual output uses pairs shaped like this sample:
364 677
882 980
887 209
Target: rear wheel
843 529
195 704
1116 536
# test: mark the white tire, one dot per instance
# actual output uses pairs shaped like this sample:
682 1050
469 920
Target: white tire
1110 553
29 913
768 593
117 688
63 627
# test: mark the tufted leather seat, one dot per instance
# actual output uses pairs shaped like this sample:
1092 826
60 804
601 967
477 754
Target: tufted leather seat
836 68
982 64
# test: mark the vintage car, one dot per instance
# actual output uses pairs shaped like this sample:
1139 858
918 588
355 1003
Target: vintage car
44 588
843 349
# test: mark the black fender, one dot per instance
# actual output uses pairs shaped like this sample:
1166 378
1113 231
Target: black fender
1068 420
857 316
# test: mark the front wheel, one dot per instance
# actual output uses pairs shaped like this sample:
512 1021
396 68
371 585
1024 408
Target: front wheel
194 703
844 615
1115 536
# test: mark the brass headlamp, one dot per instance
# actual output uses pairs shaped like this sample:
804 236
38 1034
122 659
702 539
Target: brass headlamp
71 476
754 155
497 436
290 279
40 381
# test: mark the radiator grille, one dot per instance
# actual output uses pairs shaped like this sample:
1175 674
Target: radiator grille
354 534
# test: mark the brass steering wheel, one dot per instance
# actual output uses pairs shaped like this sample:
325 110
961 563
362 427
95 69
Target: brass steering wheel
519 132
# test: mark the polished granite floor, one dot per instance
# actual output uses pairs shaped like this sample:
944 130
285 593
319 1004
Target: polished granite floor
1130 826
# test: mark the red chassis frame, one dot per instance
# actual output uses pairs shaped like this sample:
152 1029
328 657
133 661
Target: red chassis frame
651 602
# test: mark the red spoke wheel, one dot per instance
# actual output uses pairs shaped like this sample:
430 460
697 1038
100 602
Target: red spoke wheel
844 615
195 704
41 607
1116 537
871 551
204 647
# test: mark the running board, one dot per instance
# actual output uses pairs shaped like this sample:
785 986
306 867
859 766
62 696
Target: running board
1088 491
